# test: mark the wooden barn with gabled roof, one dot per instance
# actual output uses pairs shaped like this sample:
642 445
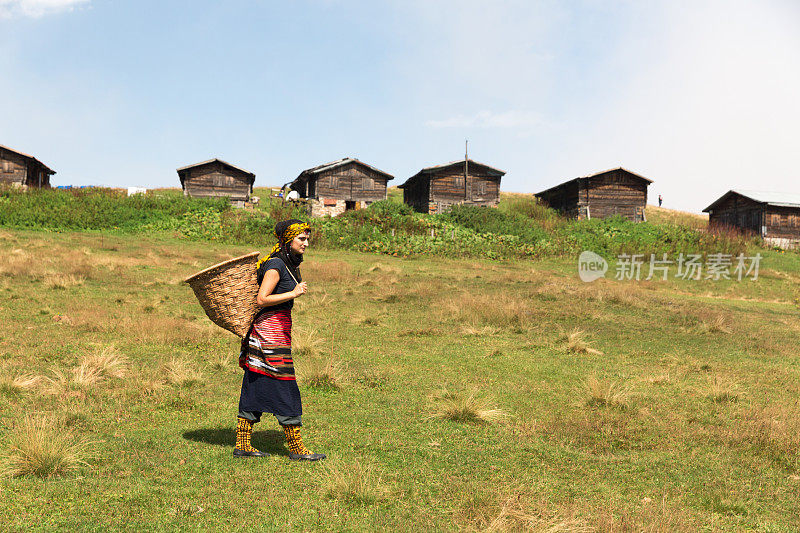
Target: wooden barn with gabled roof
435 189
341 185
216 178
23 170
603 194
773 216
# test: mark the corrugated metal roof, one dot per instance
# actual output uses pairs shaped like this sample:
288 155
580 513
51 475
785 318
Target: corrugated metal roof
785 199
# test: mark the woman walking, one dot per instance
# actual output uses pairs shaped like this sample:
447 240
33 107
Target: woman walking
269 384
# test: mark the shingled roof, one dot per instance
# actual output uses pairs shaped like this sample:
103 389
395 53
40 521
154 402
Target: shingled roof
437 168
48 169
216 160
338 163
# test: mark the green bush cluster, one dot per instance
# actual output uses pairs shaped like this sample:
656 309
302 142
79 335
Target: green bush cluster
520 228
102 209
616 235
497 222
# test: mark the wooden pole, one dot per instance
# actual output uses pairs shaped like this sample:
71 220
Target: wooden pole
466 166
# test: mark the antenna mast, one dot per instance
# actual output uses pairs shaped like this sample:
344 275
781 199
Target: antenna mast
466 165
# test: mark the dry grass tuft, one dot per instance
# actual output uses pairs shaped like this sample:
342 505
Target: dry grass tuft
576 343
720 390
58 384
181 373
651 516
39 449
306 343
20 384
149 385
659 379
514 516
96 368
225 362
329 271
480 331
500 310
606 394
142 328
449 405
714 324
87 374
775 430
319 299
380 267
63 281
354 483
322 372
16 263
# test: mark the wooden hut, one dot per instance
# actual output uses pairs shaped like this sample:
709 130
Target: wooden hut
611 192
773 216
436 189
338 186
23 170
217 178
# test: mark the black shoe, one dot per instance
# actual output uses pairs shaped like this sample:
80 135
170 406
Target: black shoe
307 457
241 453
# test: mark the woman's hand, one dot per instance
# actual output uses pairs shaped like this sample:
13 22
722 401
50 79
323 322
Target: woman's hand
300 289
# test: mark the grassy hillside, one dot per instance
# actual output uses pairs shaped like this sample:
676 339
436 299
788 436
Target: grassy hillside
662 215
448 393
519 228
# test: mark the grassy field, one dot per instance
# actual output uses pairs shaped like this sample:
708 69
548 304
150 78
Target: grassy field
661 215
448 394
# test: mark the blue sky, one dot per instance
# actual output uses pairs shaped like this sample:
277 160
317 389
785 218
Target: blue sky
699 96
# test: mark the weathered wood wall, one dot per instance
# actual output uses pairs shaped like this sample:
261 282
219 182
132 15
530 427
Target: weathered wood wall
782 222
17 169
437 191
762 219
416 194
216 180
13 168
567 199
351 182
617 193
736 211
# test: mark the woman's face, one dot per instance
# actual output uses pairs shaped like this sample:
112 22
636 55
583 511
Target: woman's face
299 243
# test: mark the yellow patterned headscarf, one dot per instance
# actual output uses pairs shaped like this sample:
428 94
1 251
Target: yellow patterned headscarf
288 235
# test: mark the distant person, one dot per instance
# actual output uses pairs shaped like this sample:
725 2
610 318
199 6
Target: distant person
660 200
269 384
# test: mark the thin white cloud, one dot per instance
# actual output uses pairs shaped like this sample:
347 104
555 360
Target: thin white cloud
712 107
699 96
489 119
36 8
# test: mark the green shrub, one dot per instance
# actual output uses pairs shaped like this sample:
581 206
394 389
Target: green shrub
494 221
521 227
100 209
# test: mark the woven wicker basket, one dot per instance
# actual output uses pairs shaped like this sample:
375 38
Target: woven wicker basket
227 291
